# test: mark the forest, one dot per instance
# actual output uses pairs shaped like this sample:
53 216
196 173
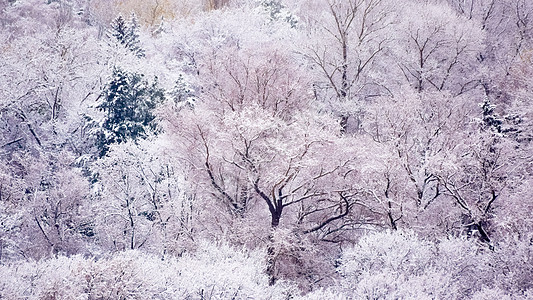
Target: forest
266 149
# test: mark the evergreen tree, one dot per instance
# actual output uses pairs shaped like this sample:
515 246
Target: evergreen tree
126 34
182 93
118 29
490 119
134 44
129 102
277 11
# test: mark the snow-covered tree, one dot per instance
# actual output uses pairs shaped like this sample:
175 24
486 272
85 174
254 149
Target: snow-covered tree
347 52
128 104
140 200
266 149
437 48
126 34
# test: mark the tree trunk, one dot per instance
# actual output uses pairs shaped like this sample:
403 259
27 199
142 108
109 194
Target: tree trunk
275 220
271 249
271 260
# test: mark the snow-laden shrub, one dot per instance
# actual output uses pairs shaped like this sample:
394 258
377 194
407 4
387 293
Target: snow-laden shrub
222 272
400 265
212 272
319 294
492 294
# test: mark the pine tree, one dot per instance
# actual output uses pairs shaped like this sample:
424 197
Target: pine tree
128 103
118 29
126 34
490 119
182 92
277 11
134 42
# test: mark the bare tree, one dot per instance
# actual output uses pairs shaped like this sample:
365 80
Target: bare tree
356 39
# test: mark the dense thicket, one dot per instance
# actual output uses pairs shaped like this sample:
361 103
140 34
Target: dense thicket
342 149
